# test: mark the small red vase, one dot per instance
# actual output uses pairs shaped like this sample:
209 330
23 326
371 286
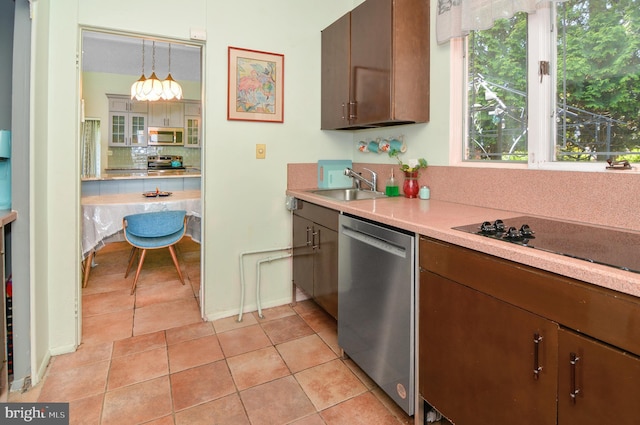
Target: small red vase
410 186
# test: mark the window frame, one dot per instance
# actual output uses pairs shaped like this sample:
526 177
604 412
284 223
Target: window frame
541 95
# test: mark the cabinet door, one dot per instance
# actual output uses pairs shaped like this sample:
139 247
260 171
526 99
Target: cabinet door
119 104
192 131
166 114
371 25
138 107
124 104
175 114
335 75
477 357
303 254
325 269
118 129
157 114
607 382
192 108
137 129
127 129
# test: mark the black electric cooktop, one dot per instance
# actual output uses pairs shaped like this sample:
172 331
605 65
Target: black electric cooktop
608 246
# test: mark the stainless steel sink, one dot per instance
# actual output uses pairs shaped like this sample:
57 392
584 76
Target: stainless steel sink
348 194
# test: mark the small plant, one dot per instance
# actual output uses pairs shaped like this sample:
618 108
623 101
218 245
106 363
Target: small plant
412 165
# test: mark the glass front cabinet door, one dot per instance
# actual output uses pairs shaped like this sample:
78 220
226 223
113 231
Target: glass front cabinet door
192 131
127 129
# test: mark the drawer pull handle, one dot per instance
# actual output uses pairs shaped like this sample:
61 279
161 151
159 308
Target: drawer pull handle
316 245
537 338
573 360
308 236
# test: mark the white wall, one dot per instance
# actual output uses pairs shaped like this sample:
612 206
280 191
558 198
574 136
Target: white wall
243 197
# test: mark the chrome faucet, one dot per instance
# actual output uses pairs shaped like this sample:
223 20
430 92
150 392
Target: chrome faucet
358 179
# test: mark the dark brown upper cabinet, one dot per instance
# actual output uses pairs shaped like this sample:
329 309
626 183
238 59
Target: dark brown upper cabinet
375 66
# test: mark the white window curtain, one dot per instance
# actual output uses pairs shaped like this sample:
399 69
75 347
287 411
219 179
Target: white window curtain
457 17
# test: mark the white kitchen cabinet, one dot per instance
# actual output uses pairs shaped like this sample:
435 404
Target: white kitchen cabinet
192 127
166 114
127 121
192 124
118 103
127 129
192 107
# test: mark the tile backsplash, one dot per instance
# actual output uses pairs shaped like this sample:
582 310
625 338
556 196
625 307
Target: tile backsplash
136 157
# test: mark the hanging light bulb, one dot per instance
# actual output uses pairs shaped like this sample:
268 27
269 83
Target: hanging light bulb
170 87
152 86
136 88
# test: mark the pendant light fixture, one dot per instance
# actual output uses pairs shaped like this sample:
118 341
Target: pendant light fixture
136 88
170 87
152 86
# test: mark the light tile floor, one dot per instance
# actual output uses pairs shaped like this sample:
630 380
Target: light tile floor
148 358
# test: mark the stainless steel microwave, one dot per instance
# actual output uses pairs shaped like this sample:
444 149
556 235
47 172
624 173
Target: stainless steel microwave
166 136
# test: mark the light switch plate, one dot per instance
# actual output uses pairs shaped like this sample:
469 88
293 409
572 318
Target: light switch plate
261 151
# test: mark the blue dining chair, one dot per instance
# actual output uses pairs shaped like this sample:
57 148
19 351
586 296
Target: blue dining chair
153 230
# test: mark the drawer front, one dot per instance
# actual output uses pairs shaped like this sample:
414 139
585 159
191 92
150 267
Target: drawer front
603 314
321 215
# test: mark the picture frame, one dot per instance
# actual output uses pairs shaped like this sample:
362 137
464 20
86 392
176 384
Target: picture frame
255 86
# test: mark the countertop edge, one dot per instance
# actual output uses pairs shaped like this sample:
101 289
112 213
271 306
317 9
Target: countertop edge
142 175
436 219
8 216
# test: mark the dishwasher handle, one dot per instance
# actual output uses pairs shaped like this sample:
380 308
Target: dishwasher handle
375 242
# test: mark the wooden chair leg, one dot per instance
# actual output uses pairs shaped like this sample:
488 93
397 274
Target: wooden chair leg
131 258
87 268
175 262
135 280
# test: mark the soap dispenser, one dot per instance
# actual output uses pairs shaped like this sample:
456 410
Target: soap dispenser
391 188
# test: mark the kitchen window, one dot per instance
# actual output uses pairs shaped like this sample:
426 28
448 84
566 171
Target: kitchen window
558 88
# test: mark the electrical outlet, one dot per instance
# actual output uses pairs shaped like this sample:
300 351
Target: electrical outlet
261 151
109 153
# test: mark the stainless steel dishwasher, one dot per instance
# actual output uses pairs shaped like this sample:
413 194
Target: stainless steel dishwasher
376 299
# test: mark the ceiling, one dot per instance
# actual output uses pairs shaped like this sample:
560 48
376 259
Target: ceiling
118 54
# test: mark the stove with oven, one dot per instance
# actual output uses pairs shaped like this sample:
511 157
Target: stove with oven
165 164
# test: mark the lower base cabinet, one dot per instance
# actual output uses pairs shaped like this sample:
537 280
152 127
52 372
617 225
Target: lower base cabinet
477 365
315 254
598 384
501 343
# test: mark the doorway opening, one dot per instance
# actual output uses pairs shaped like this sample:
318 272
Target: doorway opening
115 163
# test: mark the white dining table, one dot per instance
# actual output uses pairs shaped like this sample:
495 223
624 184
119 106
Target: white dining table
102 217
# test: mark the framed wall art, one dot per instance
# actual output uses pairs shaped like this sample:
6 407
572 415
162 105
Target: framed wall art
256 86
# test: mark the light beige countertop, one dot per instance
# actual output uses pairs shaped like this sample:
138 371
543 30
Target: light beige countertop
435 219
